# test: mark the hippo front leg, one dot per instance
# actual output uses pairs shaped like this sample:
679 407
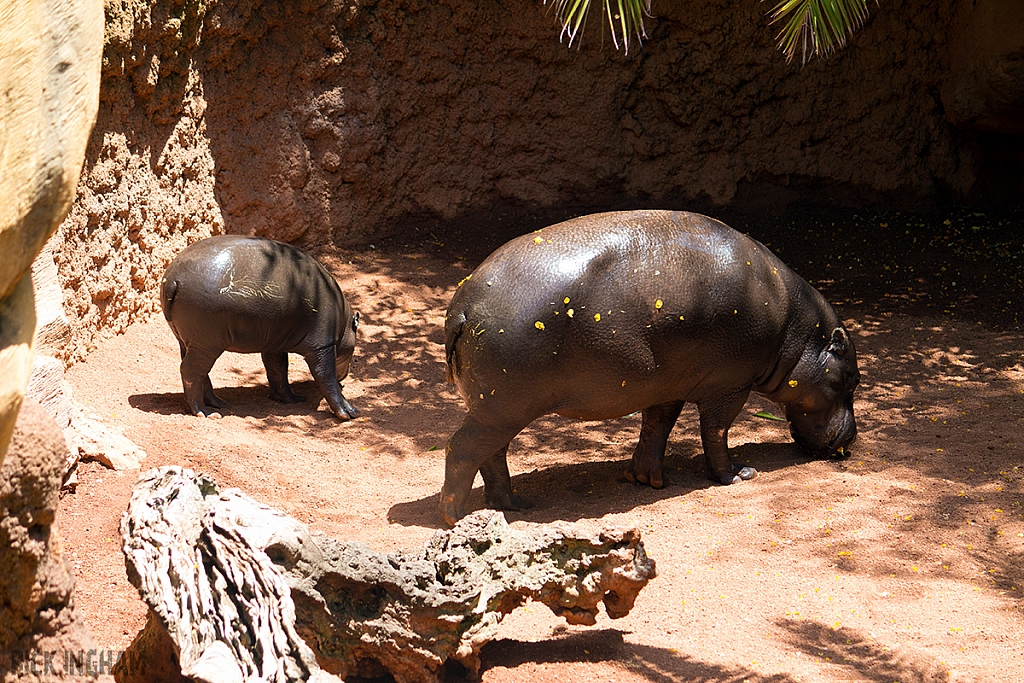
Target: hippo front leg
277 376
716 416
322 366
649 456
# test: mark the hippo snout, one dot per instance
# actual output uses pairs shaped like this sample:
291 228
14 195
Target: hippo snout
826 438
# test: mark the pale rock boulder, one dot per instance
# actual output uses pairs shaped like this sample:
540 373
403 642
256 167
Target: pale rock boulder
86 437
50 77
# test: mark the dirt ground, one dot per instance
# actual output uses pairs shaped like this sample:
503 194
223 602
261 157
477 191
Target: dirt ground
904 562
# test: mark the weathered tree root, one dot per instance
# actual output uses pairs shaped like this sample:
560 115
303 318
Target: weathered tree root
218 567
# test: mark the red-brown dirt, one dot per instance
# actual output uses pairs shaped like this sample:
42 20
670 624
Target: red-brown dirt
904 562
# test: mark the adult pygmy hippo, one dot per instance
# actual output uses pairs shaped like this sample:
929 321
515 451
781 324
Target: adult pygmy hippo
605 315
255 295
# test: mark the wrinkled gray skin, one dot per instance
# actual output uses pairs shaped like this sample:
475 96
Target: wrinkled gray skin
690 311
254 295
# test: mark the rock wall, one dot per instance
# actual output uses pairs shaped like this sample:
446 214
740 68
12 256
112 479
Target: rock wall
147 189
985 87
37 604
336 121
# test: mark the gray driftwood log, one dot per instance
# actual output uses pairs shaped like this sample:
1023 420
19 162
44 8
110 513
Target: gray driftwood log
240 591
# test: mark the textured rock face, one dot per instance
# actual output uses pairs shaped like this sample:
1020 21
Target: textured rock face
49 77
147 190
37 611
239 591
985 87
330 121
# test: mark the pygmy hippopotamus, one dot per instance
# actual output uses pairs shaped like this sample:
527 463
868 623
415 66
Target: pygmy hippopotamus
605 315
255 295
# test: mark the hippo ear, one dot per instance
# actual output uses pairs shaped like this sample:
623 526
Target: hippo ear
840 342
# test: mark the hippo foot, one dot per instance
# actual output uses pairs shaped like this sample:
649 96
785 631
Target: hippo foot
451 512
507 501
344 410
288 396
736 475
654 479
212 414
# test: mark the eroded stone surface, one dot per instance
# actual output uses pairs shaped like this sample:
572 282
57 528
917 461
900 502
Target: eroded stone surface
37 609
251 574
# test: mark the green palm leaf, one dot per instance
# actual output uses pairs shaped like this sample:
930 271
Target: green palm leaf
816 28
625 19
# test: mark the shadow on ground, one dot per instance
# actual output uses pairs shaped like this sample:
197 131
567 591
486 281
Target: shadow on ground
595 488
849 653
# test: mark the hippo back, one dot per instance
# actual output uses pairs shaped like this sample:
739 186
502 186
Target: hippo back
251 294
630 309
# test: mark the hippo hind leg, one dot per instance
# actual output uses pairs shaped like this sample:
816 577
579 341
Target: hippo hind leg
277 376
477 447
195 380
498 493
649 456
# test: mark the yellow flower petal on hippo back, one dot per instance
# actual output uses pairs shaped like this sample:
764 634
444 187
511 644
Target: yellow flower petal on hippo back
539 325
793 382
658 303
597 317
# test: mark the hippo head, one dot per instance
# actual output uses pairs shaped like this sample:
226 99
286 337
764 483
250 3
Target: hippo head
345 346
818 396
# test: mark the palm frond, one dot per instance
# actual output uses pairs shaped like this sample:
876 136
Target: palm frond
816 28
625 19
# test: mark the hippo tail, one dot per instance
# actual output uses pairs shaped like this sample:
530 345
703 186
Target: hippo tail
453 327
168 290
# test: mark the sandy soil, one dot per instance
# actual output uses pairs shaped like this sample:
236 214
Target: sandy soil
904 562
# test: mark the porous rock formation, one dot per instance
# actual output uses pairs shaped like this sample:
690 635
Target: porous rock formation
240 591
40 630
335 121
